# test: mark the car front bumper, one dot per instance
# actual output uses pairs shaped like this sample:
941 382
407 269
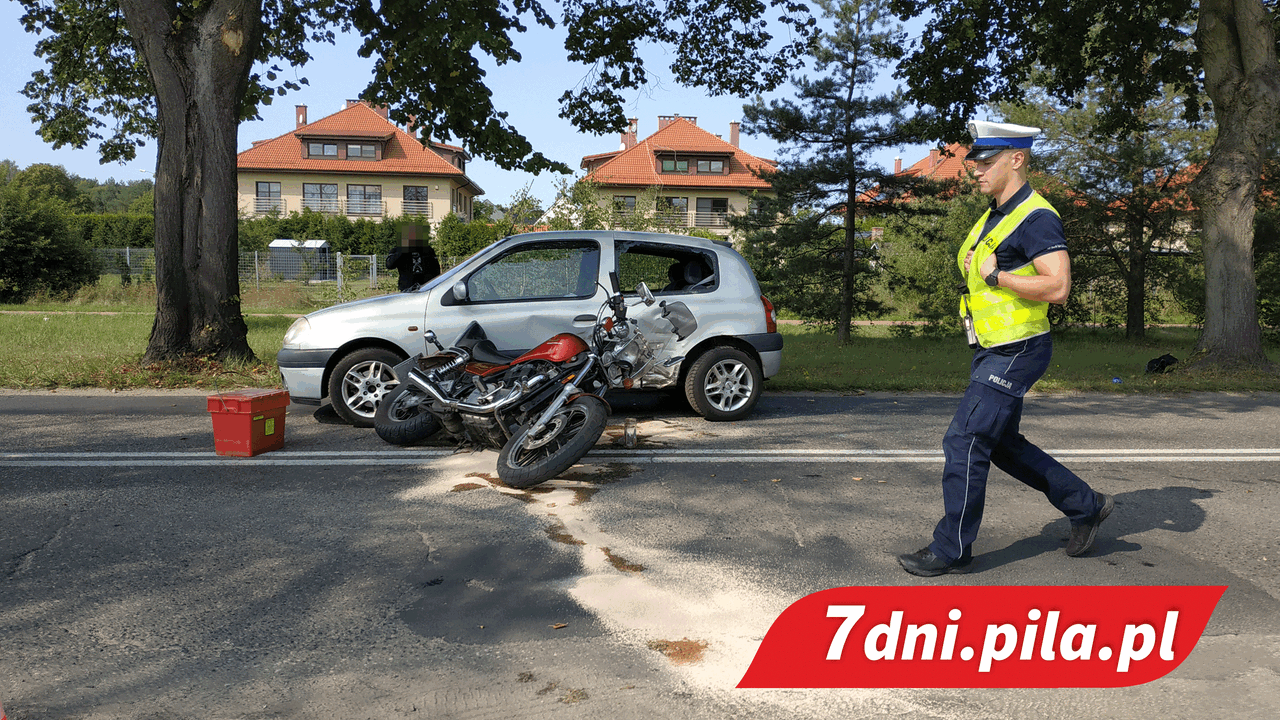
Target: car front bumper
303 373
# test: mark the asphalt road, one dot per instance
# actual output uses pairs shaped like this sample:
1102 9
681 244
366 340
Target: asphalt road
142 576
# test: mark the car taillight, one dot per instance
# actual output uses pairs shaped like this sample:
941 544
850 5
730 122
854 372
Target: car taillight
770 316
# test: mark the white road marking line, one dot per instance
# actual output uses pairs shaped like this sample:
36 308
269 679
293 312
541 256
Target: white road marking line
338 458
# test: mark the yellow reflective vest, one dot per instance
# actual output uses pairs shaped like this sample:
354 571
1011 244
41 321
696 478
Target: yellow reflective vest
1001 317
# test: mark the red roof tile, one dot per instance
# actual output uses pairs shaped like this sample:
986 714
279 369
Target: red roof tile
947 164
638 165
401 155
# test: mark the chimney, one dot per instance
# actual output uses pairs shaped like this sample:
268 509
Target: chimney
629 139
411 126
301 111
934 157
383 111
733 134
897 165
665 120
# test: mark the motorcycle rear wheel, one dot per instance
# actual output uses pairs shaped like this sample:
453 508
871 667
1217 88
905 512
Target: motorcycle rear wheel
401 418
564 441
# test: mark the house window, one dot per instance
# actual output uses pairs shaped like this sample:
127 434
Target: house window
362 152
673 211
711 212
364 199
417 201
321 197
322 149
714 167
267 198
675 166
624 204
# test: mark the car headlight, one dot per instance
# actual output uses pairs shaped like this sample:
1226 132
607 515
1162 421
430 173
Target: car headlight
293 336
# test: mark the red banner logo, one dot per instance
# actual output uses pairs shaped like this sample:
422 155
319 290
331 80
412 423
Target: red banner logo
982 637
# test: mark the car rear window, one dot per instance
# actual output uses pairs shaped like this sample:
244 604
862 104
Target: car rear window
666 269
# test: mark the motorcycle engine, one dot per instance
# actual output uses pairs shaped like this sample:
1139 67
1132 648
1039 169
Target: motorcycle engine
627 353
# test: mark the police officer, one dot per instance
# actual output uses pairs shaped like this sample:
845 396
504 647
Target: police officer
1015 263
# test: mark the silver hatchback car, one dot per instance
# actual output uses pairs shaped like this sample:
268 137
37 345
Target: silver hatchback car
525 288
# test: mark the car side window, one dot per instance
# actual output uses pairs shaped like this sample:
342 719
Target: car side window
666 269
538 271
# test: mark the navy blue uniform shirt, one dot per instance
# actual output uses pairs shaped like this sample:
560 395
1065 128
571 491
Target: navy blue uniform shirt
1039 234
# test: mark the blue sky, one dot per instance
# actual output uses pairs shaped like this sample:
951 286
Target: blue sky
527 91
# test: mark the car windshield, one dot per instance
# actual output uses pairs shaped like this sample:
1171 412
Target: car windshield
448 275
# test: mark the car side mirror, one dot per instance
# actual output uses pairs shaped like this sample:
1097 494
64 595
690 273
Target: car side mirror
460 290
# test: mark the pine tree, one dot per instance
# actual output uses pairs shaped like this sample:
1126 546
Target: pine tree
806 243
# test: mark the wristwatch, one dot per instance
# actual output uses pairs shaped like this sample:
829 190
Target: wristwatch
993 279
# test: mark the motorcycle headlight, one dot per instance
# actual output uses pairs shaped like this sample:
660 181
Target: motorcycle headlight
293 335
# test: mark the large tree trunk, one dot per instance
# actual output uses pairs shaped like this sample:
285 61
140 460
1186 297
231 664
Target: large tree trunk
844 328
200 72
1135 282
1242 77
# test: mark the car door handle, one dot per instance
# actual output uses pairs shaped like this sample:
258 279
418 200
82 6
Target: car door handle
585 318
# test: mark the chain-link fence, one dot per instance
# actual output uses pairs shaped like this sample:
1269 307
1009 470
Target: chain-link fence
337 276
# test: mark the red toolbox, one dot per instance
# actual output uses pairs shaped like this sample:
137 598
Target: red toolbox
248 422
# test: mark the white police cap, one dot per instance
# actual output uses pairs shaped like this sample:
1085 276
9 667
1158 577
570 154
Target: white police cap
989 138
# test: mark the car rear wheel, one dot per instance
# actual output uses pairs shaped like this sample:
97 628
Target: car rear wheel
359 381
723 384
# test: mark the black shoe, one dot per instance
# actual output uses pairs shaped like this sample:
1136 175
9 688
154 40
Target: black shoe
1082 535
925 564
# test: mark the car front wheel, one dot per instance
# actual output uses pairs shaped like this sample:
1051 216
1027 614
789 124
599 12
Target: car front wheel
723 384
358 383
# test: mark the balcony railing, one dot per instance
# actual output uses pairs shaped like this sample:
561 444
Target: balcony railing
417 207
328 206
672 218
268 206
714 218
365 207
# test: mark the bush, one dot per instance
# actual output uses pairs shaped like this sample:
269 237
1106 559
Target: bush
37 251
358 237
458 240
113 230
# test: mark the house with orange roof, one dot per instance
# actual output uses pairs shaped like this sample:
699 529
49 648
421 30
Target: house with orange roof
700 178
357 163
941 164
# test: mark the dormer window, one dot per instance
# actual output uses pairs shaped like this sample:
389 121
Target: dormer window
316 149
713 167
362 152
675 166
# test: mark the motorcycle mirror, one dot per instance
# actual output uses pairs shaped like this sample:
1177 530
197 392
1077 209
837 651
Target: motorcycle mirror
460 290
613 278
645 294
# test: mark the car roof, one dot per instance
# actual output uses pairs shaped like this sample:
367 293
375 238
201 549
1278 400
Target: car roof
624 235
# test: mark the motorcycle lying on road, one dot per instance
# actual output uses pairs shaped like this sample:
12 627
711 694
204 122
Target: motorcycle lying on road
543 410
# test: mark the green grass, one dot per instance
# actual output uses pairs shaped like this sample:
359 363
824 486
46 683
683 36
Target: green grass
62 349
1083 360
96 340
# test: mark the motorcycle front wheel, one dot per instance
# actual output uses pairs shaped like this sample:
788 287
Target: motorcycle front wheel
528 460
402 417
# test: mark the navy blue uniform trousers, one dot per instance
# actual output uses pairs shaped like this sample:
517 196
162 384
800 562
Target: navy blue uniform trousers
984 432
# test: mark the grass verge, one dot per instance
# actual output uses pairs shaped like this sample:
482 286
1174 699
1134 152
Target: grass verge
47 348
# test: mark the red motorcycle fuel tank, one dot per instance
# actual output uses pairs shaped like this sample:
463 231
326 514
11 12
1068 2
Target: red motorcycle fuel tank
557 349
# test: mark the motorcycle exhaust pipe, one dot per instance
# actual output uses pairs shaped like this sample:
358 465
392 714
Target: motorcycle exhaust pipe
514 396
